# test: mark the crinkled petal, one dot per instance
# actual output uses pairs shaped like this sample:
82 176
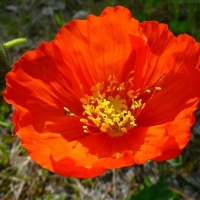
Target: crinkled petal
45 148
137 146
178 135
97 47
176 59
36 86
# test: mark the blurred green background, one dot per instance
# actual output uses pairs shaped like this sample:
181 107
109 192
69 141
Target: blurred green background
21 178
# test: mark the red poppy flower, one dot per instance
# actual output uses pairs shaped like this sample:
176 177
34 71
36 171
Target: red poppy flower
108 92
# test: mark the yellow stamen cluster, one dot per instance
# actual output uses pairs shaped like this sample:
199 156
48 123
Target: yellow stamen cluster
112 107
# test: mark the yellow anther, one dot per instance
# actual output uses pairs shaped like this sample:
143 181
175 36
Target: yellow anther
87 112
113 88
109 78
148 90
115 79
158 88
124 130
130 94
133 123
116 119
117 97
103 129
87 97
84 120
66 109
121 87
110 98
83 100
68 113
105 125
108 89
130 80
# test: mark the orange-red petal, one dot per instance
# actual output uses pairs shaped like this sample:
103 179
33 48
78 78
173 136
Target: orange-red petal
97 47
178 135
176 59
45 148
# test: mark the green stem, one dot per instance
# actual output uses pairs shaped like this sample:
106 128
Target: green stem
5 124
14 42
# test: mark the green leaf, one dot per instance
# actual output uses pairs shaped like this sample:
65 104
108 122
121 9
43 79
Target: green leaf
159 191
147 181
175 162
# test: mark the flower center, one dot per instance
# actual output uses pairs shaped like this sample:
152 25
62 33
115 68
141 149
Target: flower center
112 107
